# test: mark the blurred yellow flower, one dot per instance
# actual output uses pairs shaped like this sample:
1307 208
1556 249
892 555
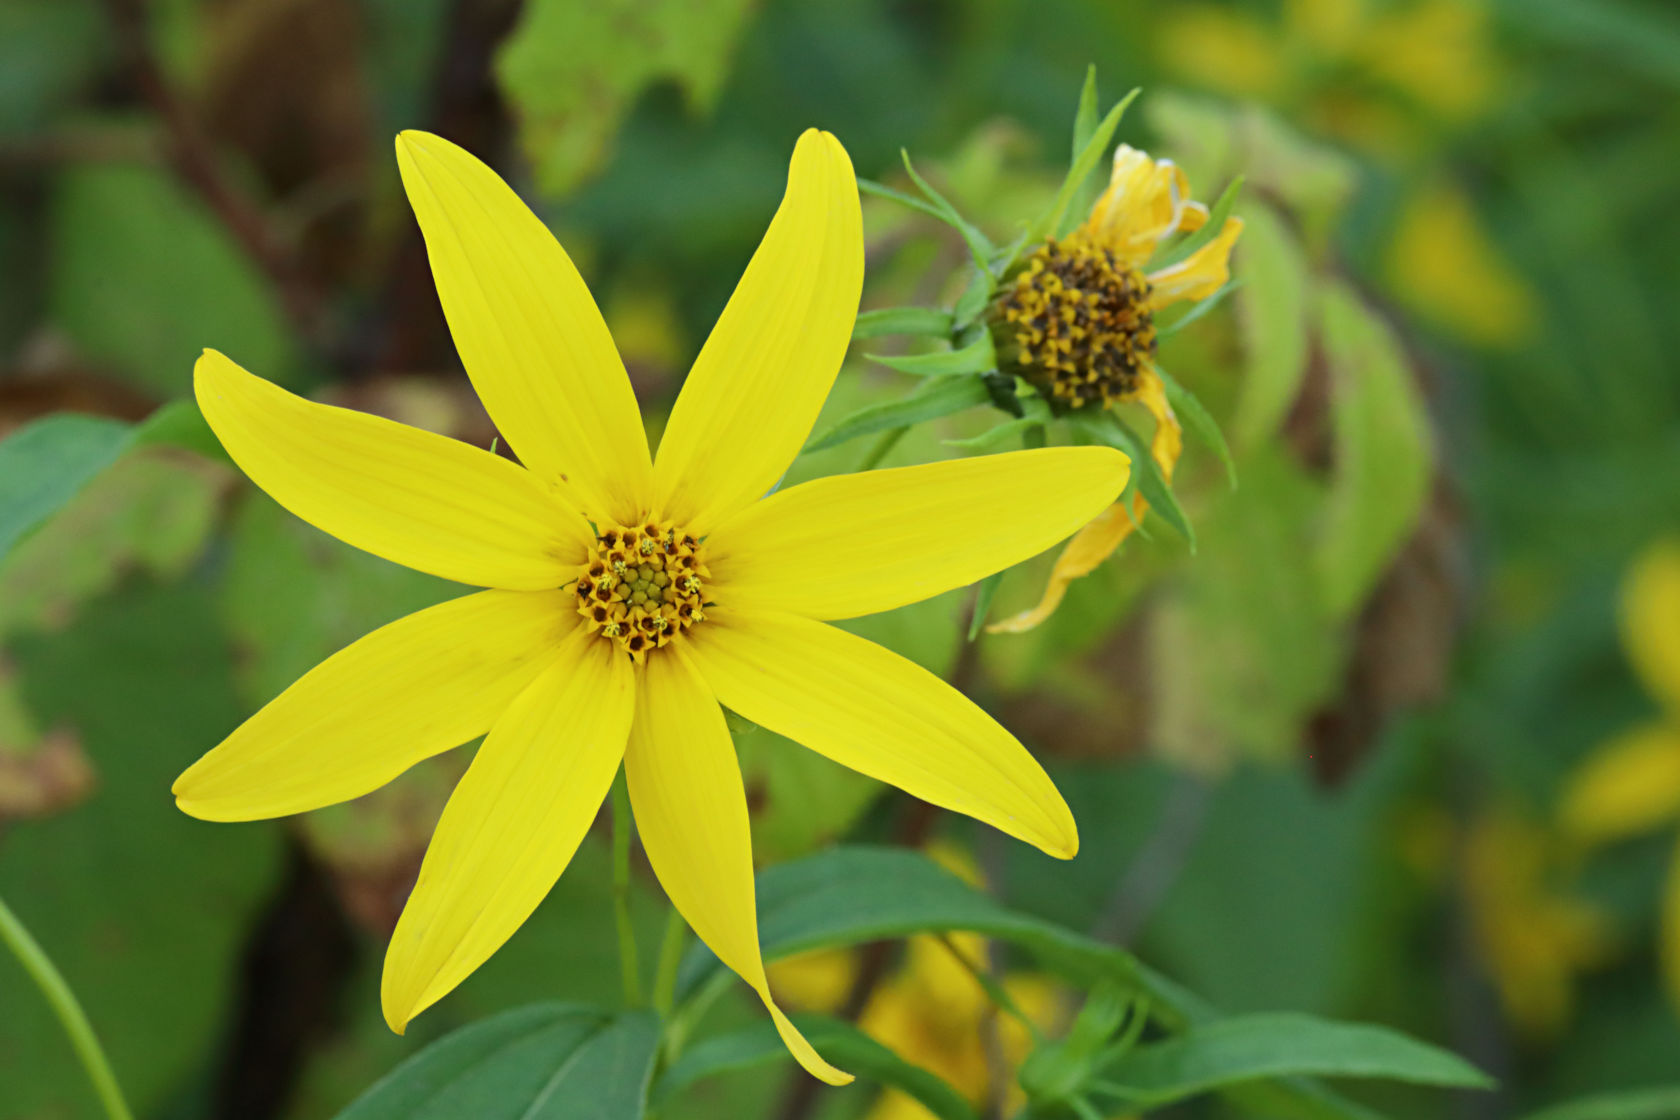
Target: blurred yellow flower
1631 783
1445 266
1531 939
1371 73
1078 322
631 595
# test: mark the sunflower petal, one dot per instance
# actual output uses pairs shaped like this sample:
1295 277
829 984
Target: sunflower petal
760 380
1627 786
513 823
1145 201
407 691
420 499
691 815
1200 274
869 709
528 331
855 544
1651 620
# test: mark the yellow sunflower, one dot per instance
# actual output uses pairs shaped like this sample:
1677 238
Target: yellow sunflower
1078 322
630 595
1630 785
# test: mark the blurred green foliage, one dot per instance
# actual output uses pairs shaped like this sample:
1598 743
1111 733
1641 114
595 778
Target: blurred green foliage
1446 375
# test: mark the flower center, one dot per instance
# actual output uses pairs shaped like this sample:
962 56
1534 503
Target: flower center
642 586
1076 323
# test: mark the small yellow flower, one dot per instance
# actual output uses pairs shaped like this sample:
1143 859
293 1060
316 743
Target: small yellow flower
1631 784
1078 322
630 595
1531 938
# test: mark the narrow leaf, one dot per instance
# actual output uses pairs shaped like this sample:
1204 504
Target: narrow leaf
839 1042
1085 127
973 299
1110 429
936 398
1251 1047
987 591
902 320
976 357
1181 250
1061 216
1199 420
1632 1104
979 245
1198 309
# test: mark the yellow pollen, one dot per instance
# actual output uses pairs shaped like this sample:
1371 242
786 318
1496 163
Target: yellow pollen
642 586
1075 322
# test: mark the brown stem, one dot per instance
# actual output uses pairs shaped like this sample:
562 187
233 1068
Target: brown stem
190 154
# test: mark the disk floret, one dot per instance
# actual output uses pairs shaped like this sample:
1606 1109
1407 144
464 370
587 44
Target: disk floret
1076 322
642 586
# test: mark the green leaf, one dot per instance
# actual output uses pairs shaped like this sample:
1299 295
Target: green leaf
1251 1047
839 1042
974 298
1180 251
1632 1104
850 895
979 245
1197 310
180 424
45 463
931 400
983 597
1272 315
1085 127
976 357
1108 428
902 320
554 1061
1198 420
999 435
1382 452
143 279
1061 216
572 72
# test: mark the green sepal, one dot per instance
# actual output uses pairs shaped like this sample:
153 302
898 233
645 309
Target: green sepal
1199 420
1108 428
931 400
977 357
929 321
984 592
1061 216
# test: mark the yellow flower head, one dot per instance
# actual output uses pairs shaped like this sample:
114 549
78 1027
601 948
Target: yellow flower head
1078 322
629 595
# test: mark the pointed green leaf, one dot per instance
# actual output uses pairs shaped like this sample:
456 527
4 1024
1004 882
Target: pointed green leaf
902 320
1198 420
1085 127
1250 1047
983 597
1632 1104
979 245
976 357
1061 216
44 464
839 1042
973 299
1108 428
1198 309
551 1061
938 397
1182 249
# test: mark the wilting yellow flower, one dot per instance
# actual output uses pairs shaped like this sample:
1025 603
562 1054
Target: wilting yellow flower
1078 322
1631 784
1531 938
631 595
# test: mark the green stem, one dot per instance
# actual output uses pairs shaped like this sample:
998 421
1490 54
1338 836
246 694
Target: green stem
670 956
629 967
70 1014
883 447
